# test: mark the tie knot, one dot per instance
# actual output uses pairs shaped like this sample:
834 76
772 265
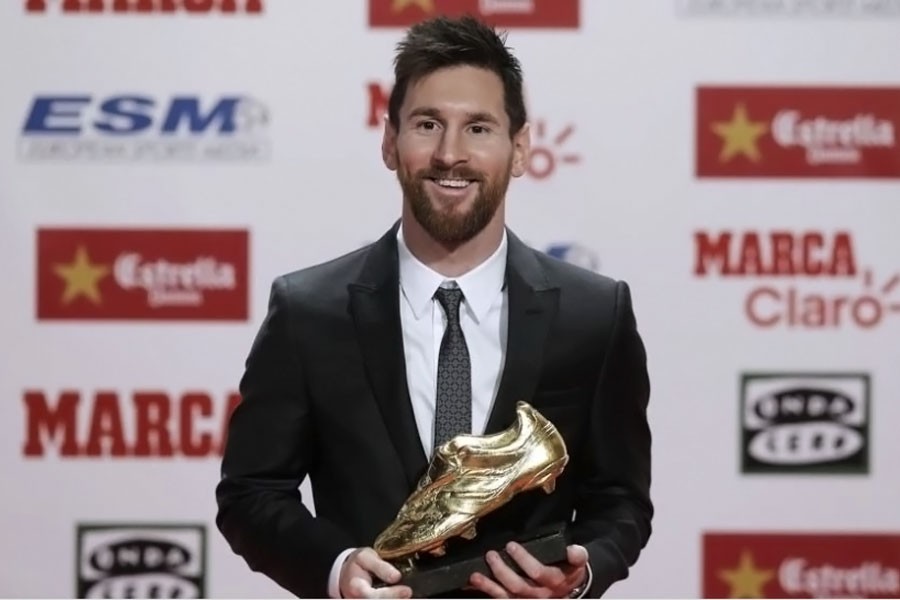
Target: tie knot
450 299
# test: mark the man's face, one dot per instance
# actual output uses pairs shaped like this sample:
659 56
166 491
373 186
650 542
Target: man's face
453 153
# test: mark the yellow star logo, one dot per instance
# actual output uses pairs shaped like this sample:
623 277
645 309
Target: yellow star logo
81 277
740 135
425 5
746 580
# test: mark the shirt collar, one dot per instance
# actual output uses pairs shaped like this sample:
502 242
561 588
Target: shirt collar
480 286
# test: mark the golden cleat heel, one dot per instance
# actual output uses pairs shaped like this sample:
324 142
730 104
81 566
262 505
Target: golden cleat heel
549 486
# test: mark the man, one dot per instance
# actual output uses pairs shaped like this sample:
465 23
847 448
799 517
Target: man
351 381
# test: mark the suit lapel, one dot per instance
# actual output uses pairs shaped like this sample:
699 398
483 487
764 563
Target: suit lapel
374 300
533 302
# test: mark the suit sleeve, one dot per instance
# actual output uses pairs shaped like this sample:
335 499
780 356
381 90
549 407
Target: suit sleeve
613 506
268 452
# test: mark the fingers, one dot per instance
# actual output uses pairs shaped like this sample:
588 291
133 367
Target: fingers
505 576
487 586
577 555
541 574
514 584
360 588
361 568
369 560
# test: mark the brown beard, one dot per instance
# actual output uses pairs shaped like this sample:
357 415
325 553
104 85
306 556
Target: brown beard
448 227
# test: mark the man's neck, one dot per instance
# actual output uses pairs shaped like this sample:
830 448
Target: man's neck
457 260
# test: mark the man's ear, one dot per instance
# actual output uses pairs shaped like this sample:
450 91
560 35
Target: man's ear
389 145
521 150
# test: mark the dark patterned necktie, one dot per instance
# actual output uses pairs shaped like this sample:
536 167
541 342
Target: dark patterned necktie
453 410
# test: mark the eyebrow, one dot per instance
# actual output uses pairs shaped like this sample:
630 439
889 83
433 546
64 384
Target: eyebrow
427 111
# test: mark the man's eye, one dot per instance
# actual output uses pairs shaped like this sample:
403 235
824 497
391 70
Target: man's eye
479 129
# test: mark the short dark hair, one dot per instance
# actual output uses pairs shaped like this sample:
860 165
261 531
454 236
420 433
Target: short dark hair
444 42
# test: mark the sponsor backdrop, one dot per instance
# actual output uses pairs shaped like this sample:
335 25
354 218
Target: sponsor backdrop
736 161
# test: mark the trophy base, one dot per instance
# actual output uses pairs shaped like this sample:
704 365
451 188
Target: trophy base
429 576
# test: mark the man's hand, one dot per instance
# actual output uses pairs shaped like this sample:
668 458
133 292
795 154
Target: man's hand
364 567
541 581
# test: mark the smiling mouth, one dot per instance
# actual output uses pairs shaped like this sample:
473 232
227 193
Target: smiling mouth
452 183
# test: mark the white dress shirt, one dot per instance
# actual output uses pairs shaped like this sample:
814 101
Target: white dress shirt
483 318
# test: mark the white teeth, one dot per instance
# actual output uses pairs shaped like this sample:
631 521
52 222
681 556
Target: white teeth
453 183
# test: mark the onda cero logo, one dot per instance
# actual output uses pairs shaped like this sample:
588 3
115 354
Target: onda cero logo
805 423
141 561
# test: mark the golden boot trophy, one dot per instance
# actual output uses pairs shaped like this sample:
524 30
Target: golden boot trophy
469 477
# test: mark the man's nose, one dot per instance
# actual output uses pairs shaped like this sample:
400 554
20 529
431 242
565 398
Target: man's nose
451 150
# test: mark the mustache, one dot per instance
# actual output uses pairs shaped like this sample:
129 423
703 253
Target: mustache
458 173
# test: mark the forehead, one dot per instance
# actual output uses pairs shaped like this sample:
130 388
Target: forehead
460 89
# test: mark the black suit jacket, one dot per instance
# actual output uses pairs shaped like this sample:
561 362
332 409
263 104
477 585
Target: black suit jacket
324 395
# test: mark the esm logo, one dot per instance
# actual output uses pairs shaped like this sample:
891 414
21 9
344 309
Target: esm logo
549 146
139 127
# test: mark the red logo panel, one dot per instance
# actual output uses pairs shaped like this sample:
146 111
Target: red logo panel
560 14
768 565
142 274
798 132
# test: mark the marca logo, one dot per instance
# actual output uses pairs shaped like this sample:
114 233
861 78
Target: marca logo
798 132
142 274
801 565
122 560
226 7
805 423
138 127
548 145
562 14
797 256
789 8
146 423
